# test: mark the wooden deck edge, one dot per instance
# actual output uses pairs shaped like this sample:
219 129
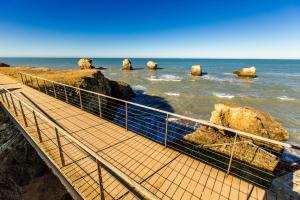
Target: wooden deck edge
75 195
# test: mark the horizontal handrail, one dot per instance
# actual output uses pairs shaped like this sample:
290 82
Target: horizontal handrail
203 122
136 186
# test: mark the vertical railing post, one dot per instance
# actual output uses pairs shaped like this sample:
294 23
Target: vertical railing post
22 78
2 91
54 90
26 80
59 147
23 114
166 133
37 127
13 104
37 82
31 81
231 154
126 115
8 104
100 109
80 100
66 94
45 87
100 180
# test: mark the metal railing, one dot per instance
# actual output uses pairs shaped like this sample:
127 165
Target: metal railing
45 132
171 130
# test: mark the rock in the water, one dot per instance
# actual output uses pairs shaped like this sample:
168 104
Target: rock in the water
196 70
85 63
152 65
246 72
250 120
245 150
126 65
4 65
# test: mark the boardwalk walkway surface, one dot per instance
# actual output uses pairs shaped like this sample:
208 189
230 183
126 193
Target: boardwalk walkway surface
166 173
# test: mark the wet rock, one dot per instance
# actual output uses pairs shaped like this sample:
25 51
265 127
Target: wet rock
249 120
246 72
85 63
4 65
152 65
196 70
126 64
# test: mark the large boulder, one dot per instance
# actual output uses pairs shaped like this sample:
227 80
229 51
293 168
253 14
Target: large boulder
152 65
196 70
126 64
4 65
246 72
249 120
85 63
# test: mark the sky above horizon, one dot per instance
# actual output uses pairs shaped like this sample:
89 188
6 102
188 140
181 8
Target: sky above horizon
156 28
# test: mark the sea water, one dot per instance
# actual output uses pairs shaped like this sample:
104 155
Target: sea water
276 90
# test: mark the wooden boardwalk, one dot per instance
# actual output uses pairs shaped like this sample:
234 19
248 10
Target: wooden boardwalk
166 173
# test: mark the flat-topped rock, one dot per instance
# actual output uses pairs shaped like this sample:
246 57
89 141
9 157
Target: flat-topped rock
249 72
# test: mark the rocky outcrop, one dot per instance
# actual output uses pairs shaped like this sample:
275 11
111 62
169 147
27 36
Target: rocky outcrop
4 65
246 119
196 70
85 63
245 150
20 167
249 120
152 65
249 72
126 64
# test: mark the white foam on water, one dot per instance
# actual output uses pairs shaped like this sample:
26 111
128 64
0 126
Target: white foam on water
285 98
172 94
166 77
139 87
214 78
223 95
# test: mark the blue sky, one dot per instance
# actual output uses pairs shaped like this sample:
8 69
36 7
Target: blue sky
156 28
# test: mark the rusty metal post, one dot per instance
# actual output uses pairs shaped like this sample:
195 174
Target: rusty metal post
126 113
80 100
166 133
13 104
59 147
231 154
23 114
37 127
100 109
66 95
100 181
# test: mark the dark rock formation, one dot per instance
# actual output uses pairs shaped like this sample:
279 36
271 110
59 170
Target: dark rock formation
4 65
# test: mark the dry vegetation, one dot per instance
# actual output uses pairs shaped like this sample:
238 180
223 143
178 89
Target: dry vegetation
70 77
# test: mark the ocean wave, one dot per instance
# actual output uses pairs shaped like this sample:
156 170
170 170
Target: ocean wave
166 77
172 94
214 78
223 95
285 98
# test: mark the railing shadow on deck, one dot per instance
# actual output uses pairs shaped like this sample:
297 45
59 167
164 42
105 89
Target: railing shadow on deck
169 129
